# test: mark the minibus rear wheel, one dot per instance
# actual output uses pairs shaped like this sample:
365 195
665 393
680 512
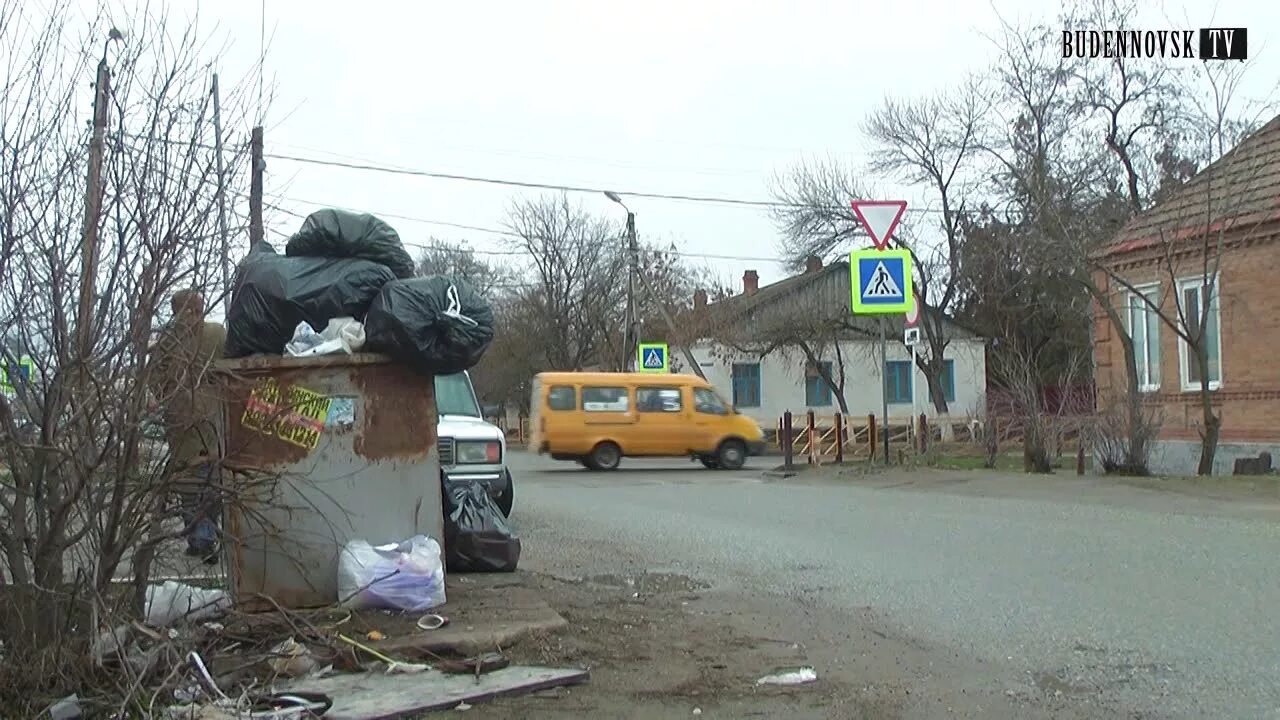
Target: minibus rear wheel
604 456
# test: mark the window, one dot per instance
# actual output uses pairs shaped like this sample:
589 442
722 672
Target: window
1144 329
817 393
746 385
708 403
948 380
658 400
605 399
454 396
897 381
562 398
1191 295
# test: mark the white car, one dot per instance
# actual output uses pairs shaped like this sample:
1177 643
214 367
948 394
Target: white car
470 448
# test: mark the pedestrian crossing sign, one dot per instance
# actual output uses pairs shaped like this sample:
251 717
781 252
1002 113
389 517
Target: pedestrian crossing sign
880 281
653 357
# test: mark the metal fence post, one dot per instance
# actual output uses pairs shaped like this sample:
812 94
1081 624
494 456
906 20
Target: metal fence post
872 440
839 438
785 438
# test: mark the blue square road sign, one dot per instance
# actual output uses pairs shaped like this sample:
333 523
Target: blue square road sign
881 282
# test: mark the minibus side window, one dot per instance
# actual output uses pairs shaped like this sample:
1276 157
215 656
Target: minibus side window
707 402
562 398
605 399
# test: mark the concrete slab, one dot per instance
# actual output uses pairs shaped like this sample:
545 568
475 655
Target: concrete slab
377 696
486 612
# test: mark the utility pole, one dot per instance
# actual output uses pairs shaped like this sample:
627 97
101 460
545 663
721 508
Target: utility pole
884 392
225 259
92 210
633 322
255 189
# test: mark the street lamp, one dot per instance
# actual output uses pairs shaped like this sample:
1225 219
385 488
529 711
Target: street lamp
632 337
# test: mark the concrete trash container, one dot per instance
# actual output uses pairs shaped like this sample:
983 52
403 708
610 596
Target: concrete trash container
319 451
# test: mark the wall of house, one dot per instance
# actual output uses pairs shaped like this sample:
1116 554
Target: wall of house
783 385
1248 396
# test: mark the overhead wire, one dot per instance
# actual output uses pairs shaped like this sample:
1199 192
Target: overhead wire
495 231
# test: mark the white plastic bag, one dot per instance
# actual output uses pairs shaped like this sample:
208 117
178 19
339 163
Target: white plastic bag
342 334
174 601
405 576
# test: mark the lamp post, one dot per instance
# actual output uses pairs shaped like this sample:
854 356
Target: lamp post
632 336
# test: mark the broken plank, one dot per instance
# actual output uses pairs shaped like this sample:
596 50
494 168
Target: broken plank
377 696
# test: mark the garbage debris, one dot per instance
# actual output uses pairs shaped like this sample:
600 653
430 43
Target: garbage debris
432 622
344 335
799 676
393 666
398 576
174 601
68 708
477 537
437 325
486 663
292 659
333 233
275 293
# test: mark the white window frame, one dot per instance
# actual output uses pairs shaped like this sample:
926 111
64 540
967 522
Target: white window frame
1215 309
1137 300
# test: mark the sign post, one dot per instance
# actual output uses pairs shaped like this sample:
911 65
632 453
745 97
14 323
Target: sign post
912 339
880 281
653 358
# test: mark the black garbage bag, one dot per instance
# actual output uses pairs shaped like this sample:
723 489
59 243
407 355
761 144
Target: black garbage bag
274 293
436 324
336 233
477 537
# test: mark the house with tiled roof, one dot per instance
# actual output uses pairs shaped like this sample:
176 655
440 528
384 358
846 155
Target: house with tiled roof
1212 242
750 346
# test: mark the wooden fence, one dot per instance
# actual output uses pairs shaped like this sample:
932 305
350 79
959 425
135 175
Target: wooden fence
823 439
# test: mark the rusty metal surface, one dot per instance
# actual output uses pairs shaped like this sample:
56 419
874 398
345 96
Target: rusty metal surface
326 450
402 422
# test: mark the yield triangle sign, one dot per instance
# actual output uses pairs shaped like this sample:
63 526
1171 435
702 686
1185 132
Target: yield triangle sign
880 218
881 284
653 359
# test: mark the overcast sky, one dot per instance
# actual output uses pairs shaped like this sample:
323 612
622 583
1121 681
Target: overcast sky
700 97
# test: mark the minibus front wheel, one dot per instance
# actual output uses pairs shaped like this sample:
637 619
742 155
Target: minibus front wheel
732 455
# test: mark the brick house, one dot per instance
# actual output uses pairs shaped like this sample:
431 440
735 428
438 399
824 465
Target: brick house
1215 240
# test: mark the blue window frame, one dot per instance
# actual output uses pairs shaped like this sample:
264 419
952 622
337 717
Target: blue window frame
949 380
817 393
897 382
746 385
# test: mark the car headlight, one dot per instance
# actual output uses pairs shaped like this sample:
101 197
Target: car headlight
478 453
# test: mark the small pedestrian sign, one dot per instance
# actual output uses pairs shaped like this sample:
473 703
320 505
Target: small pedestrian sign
881 282
653 357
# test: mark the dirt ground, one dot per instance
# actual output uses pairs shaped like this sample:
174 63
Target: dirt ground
663 646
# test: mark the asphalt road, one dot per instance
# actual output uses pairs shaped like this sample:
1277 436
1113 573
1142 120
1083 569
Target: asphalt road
1164 610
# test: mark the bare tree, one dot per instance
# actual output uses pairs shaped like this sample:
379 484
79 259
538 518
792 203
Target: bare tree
933 143
460 260
83 493
575 260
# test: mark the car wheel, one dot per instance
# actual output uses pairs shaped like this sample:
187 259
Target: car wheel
732 455
507 497
605 456
710 462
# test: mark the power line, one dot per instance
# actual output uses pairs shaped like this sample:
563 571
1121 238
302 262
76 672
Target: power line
367 166
372 166
495 231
